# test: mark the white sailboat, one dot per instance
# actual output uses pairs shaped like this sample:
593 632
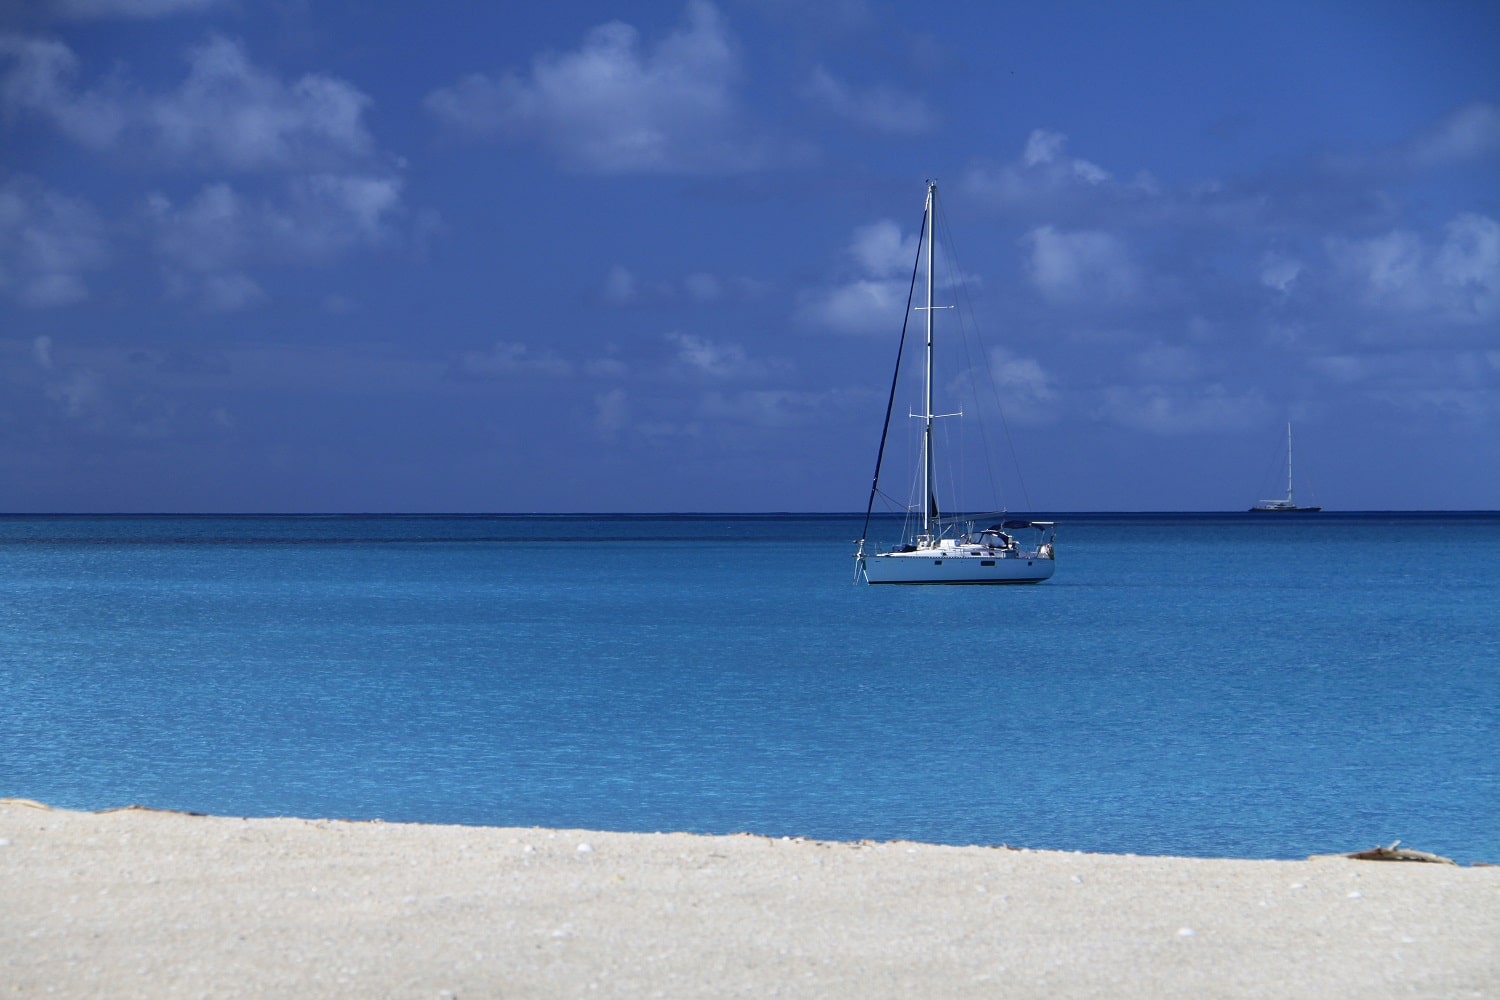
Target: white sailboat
949 550
1289 504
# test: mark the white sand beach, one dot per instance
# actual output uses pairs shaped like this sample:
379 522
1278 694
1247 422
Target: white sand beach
140 903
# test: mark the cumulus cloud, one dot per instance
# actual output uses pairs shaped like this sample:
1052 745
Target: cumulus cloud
310 186
861 306
713 359
1420 380
1043 175
47 244
1470 133
226 114
1047 151
209 233
1026 391
1279 272
1456 279
38 79
208 241
1081 267
328 213
874 298
880 109
615 105
881 249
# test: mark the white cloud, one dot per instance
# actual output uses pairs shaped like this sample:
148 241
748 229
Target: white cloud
881 249
1044 169
1457 279
1468 264
226 114
326 214
713 359
861 306
614 106
211 232
880 109
1025 390
1470 133
1279 273
39 81
328 194
47 243
208 241
230 113
1043 146
1458 384
1081 267
873 301
41 351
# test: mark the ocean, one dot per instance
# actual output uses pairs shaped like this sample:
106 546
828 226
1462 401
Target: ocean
1207 685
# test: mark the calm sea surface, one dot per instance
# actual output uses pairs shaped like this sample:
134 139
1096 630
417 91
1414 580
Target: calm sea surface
1200 685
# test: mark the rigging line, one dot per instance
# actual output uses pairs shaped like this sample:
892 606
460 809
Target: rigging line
961 293
965 304
961 302
895 376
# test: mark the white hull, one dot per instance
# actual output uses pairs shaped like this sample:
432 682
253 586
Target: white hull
949 566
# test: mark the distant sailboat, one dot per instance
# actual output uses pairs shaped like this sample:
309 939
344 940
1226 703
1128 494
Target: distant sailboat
944 550
1288 505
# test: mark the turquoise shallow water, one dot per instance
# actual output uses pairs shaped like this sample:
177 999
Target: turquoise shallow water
1187 684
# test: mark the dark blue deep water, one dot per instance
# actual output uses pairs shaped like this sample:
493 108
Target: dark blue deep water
1200 685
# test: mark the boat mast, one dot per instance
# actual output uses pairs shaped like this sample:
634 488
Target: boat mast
929 506
1289 462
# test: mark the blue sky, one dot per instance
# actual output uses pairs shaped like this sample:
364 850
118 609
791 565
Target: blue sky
476 256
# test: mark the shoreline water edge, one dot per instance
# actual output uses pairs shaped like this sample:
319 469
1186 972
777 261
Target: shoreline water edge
135 902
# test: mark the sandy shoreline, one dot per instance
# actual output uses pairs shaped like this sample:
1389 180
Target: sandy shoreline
137 903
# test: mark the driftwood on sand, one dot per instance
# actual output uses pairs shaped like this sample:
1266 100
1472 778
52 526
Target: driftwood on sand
1394 852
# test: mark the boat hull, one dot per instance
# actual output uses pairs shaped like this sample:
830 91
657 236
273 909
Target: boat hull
928 567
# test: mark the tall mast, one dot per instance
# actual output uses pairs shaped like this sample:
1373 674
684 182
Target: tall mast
928 511
1289 460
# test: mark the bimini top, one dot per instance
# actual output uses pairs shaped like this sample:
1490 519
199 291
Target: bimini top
1013 525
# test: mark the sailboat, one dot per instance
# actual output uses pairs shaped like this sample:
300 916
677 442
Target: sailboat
1288 505
936 549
